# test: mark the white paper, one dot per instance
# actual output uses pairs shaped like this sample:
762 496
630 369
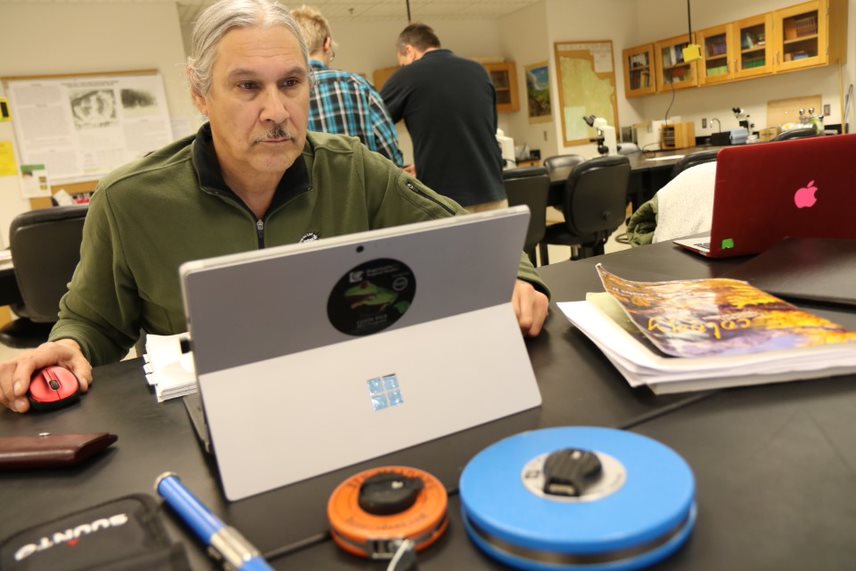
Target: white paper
640 366
666 158
168 370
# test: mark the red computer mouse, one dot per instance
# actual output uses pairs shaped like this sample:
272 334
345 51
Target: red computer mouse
53 387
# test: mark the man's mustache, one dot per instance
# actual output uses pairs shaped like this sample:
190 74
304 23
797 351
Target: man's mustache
278 132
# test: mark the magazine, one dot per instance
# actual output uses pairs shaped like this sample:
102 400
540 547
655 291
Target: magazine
699 318
688 335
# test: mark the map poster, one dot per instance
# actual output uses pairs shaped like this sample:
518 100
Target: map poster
586 78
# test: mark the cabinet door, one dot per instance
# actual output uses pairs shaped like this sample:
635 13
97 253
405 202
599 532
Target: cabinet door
380 76
717 60
801 36
504 78
639 71
753 46
672 71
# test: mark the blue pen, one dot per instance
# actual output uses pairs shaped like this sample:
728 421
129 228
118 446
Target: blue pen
225 541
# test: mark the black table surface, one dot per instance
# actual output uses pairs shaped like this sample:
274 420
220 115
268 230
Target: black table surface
578 386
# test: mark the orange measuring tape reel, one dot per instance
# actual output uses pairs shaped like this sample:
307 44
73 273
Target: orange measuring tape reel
372 512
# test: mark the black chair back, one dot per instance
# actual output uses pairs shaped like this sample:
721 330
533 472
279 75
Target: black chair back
596 198
562 161
45 247
529 186
693 160
798 133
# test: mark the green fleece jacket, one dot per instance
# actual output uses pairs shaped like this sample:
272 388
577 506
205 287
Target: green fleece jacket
149 217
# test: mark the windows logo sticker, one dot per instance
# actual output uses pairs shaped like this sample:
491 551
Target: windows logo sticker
385 392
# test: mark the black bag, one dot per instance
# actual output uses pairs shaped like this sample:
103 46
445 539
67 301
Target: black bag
125 534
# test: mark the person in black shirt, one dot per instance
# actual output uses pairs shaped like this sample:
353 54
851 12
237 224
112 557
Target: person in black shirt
449 106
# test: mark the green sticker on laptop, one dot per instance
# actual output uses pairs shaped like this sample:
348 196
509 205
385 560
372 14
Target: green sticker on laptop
727 244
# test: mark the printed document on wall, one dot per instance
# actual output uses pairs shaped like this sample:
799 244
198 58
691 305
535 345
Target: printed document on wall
82 127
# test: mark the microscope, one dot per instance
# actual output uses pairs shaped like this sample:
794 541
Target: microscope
742 118
606 141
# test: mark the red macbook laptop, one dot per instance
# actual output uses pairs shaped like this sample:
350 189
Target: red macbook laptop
766 192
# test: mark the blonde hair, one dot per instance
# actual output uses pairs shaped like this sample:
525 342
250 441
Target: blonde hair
314 27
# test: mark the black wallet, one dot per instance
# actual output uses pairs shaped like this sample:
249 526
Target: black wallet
51 450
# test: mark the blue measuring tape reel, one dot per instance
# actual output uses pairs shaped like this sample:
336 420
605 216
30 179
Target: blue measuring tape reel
578 498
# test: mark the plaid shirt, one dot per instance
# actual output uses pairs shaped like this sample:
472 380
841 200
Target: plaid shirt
345 103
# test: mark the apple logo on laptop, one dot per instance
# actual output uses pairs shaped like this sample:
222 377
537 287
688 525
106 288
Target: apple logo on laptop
804 197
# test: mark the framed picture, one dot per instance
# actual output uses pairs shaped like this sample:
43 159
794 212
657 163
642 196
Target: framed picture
538 93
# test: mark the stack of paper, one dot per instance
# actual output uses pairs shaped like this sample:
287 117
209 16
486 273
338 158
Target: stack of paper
168 369
706 334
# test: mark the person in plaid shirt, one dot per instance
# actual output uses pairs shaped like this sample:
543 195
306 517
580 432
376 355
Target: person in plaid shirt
342 102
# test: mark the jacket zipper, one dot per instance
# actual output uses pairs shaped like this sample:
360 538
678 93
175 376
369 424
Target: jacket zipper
431 198
260 233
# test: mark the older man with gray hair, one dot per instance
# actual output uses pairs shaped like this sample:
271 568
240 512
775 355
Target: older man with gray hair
250 178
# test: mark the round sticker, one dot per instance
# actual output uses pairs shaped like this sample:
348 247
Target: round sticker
371 297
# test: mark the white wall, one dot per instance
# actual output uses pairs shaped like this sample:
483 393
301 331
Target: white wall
661 19
602 20
524 40
96 37
529 36
367 46
57 38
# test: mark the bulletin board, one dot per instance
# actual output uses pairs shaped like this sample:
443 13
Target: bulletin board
586 76
81 126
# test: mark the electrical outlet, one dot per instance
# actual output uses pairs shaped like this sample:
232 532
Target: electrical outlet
704 123
827 109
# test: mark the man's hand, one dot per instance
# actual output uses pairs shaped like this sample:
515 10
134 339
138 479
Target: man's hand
530 306
15 375
411 170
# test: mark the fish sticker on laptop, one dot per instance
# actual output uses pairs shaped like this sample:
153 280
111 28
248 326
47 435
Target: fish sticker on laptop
371 297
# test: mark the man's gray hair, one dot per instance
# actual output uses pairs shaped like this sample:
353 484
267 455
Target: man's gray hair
226 15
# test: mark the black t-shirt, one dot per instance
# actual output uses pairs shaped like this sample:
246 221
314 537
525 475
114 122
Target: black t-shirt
449 106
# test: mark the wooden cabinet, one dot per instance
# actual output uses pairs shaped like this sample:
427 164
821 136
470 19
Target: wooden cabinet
672 71
380 76
639 76
810 34
752 46
677 136
717 55
504 78
807 35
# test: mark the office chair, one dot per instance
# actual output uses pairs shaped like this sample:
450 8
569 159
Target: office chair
529 186
692 160
562 161
594 205
798 133
45 246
